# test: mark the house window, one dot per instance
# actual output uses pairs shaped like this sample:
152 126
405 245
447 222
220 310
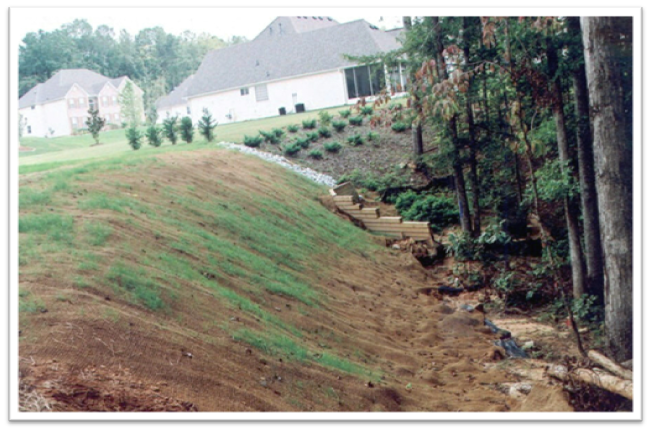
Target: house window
91 104
71 103
33 106
188 110
116 117
364 81
114 100
29 129
244 91
81 102
261 93
74 122
104 101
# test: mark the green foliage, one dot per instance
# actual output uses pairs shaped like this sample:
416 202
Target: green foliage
207 125
355 140
133 137
252 141
555 182
366 110
345 113
339 125
303 142
325 118
292 128
332 147
312 136
58 228
95 123
138 285
187 130
97 233
130 106
278 132
154 136
170 128
325 132
372 136
309 124
292 149
399 126
356 121
316 154
270 137
439 210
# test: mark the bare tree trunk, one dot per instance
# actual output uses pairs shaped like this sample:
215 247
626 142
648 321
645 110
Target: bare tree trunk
571 216
459 181
613 153
417 139
589 209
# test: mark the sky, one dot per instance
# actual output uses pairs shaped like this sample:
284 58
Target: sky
221 22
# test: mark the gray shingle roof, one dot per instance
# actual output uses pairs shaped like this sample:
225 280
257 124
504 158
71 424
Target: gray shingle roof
292 54
176 96
56 87
295 24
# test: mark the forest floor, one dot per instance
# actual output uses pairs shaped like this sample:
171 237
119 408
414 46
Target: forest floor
214 281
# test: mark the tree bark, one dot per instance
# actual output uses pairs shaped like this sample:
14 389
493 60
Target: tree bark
613 153
571 216
459 181
417 129
593 253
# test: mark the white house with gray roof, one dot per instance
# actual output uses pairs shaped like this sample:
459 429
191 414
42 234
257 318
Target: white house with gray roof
295 64
60 105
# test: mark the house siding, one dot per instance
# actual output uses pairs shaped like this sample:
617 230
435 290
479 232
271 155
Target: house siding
42 118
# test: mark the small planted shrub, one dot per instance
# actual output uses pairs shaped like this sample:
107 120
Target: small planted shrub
303 142
399 127
344 113
293 128
439 210
187 130
339 125
309 124
291 149
207 125
312 136
171 129
316 154
154 136
366 110
325 118
332 147
325 132
278 132
355 140
356 121
252 141
372 136
270 137
133 137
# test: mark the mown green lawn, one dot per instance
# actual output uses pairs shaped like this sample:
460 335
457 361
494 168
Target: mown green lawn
53 152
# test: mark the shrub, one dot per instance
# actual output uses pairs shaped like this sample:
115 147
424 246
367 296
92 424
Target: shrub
339 125
278 132
252 141
325 132
133 136
187 131
312 136
344 113
372 136
154 136
95 124
325 118
270 137
439 210
207 125
291 149
316 154
366 110
399 126
302 142
170 129
356 121
293 128
332 147
355 140
309 124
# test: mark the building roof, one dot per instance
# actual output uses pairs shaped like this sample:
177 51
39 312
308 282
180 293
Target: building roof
289 54
176 96
295 24
58 86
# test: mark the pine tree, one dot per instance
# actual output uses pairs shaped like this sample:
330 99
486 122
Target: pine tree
130 106
95 124
207 125
133 136
154 135
187 131
170 129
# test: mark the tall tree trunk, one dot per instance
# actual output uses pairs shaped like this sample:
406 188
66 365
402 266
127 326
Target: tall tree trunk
417 127
474 181
457 165
613 153
571 216
589 209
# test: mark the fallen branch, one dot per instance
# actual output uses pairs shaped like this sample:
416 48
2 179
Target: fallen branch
610 365
599 379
